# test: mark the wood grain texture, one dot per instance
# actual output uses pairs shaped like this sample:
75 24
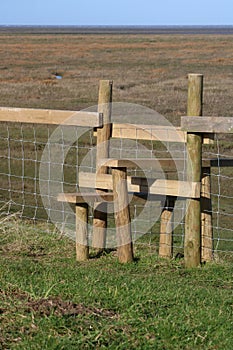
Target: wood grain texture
222 125
184 189
122 215
82 249
47 116
192 244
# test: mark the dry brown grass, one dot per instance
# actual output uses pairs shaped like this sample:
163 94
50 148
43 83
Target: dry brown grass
146 69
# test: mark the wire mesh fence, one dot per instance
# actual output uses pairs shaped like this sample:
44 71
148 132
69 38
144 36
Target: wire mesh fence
33 194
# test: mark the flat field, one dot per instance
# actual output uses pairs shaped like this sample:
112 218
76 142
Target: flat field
150 70
47 300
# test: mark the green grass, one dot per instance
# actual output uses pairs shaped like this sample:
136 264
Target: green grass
49 301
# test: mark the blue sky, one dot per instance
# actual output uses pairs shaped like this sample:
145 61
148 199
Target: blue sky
116 12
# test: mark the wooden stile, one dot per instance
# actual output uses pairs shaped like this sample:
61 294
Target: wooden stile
192 245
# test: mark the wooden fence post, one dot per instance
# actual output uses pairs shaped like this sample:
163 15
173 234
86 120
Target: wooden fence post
206 217
166 229
82 248
103 136
122 215
192 244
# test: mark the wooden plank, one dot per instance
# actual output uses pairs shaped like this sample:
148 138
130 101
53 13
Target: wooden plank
148 132
220 125
184 189
47 116
103 181
152 133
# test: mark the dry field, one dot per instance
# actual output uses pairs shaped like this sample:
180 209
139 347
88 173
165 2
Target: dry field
146 69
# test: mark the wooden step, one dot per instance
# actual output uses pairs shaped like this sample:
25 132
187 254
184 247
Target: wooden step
163 187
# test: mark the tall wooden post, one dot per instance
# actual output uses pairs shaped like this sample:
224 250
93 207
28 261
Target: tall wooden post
166 229
82 249
206 216
122 215
192 245
103 136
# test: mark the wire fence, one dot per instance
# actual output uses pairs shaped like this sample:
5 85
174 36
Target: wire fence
221 192
33 194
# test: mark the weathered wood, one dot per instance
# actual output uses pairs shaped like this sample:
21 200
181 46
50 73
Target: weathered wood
221 125
166 229
185 189
153 133
102 181
122 215
192 245
163 187
102 151
82 249
148 132
47 116
206 217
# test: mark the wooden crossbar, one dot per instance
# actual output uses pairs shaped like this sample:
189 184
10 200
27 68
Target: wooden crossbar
148 132
47 116
152 133
161 187
220 125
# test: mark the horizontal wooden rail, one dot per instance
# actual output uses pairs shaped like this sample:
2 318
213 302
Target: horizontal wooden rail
148 132
47 116
152 133
220 125
165 164
160 187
